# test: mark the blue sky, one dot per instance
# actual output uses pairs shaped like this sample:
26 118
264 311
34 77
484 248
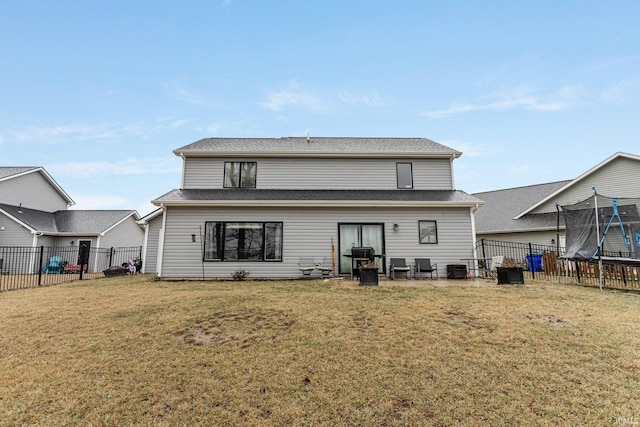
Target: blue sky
101 92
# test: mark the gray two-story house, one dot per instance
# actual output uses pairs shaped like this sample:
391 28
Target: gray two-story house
34 212
262 204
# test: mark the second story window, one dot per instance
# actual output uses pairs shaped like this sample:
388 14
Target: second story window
240 174
405 175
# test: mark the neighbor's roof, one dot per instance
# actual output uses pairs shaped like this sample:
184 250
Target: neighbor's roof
331 147
502 206
68 222
573 182
305 198
11 172
7 171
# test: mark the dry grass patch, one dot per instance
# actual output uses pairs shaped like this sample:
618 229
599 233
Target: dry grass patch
132 351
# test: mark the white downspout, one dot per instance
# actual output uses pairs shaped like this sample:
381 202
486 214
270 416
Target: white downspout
453 179
34 244
144 246
184 168
473 234
95 258
161 241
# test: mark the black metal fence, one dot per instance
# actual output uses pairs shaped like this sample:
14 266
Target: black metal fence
27 267
545 262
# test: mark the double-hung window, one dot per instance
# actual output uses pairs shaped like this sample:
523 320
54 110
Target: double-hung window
240 174
404 172
243 241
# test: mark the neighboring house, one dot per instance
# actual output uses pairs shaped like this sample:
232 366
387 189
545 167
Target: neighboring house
33 212
529 214
260 204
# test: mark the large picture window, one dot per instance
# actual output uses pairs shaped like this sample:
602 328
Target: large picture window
428 231
243 241
240 174
404 173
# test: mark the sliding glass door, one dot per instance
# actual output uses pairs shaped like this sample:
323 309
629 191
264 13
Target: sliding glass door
350 235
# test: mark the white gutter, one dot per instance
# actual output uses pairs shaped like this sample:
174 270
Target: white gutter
318 155
316 203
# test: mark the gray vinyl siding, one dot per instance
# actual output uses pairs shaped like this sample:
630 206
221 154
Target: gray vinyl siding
150 262
326 174
127 233
308 233
14 234
619 178
33 191
48 241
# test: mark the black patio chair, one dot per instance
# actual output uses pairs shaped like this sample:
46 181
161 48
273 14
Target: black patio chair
398 265
423 265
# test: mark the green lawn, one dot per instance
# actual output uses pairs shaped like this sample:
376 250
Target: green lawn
134 351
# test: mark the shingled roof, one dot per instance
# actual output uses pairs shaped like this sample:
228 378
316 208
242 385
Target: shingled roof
306 197
502 206
6 171
70 221
342 146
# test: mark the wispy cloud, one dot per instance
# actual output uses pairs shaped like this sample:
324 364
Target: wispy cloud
129 166
178 91
469 149
296 96
73 132
237 126
112 201
612 63
523 98
621 91
104 201
371 99
90 132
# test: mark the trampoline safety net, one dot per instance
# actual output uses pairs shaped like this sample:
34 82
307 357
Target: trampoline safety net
617 232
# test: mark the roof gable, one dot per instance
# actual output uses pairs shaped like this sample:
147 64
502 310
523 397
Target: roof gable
579 180
13 172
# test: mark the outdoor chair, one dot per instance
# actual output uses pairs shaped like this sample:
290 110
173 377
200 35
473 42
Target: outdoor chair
496 261
306 265
54 266
398 265
326 268
423 265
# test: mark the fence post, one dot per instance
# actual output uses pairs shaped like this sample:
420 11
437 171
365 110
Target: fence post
482 244
532 267
110 256
40 266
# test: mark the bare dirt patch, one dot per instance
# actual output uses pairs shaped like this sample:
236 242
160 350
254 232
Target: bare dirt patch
241 327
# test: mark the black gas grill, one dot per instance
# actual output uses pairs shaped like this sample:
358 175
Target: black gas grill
361 255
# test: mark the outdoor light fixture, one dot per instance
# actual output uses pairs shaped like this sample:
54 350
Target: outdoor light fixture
396 227
72 242
193 238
